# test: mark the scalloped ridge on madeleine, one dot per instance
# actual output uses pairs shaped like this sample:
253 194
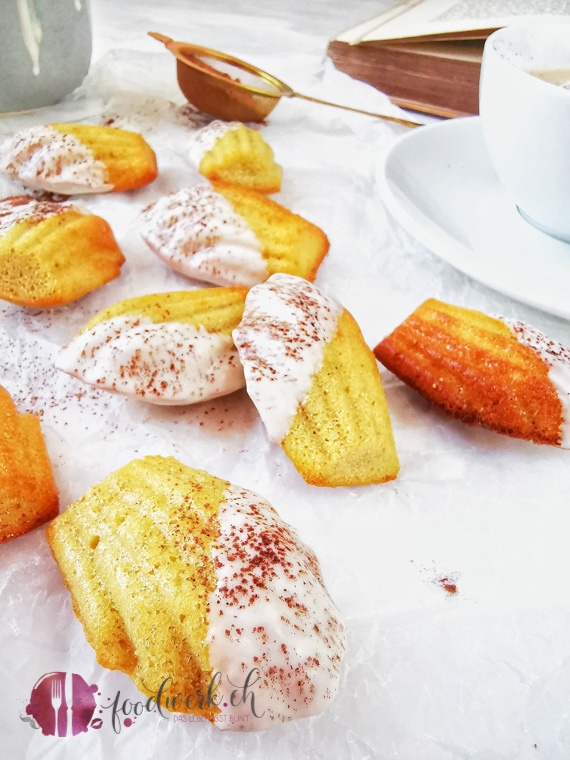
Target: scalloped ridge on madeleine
53 253
177 576
78 158
289 243
316 384
234 153
166 348
485 370
28 493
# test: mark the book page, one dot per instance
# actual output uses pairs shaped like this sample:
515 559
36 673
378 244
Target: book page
432 18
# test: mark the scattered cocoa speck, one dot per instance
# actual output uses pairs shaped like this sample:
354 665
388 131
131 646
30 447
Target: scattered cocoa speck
448 585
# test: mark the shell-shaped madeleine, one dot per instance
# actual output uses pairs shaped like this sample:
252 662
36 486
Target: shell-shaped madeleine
28 493
341 434
165 348
236 154
78 158
129 160
315 384
53 253
231 235
174 571
484 370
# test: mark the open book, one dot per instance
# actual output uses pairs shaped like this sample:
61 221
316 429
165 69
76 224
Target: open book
426 54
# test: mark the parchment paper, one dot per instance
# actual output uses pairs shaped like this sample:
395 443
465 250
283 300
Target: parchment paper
479 674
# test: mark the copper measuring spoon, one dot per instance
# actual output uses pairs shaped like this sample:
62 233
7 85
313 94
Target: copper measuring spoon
229 88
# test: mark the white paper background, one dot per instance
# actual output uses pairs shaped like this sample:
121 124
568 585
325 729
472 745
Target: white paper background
481 675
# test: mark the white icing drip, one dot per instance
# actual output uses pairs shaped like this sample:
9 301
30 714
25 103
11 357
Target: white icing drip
204 139
198 233
77 4
270 611
15 210
160 362
31 31
43 158
286 323
557 357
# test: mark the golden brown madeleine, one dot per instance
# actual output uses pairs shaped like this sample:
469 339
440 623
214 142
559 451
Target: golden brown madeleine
316 384
484 370
28 494
184 581
234 153
53 253
129 160
165 348
230 235
78 158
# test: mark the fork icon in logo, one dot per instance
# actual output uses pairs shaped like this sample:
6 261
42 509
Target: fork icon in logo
56 702
62 703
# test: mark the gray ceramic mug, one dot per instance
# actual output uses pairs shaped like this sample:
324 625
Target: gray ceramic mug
45 51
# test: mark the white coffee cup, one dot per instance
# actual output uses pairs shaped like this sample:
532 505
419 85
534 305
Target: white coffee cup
526 120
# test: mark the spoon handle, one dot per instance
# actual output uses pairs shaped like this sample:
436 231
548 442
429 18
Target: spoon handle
395 119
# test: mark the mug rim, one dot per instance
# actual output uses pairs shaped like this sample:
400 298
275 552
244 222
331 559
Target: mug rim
505 33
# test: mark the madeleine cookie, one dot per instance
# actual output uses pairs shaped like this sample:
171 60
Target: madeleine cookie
53 253
484 370
78 158
231 152
182 579
315 384
166 348
229 235
28 494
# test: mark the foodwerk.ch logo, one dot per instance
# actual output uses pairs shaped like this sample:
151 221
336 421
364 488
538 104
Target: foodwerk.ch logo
63 704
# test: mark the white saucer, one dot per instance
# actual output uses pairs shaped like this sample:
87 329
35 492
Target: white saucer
439 184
